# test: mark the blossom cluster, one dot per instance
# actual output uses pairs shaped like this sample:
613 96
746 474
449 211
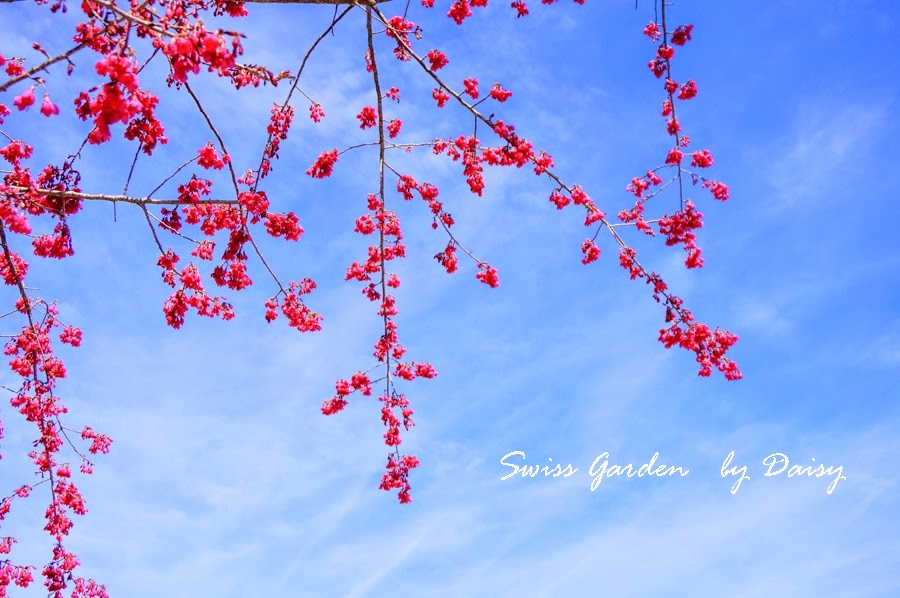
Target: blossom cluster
47 198
708 345
388 351
37 204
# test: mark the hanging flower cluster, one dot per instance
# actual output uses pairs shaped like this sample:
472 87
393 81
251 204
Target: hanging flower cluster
221 227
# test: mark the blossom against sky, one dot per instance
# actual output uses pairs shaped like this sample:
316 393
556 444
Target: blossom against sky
225 478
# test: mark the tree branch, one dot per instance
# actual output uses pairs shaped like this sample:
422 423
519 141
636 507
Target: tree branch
141 201
30 72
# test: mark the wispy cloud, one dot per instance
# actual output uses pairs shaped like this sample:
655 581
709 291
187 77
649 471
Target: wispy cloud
225 479
816 153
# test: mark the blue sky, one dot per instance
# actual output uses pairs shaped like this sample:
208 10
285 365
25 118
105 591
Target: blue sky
225 479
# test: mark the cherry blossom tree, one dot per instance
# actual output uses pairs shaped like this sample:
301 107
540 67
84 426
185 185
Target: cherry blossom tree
207 215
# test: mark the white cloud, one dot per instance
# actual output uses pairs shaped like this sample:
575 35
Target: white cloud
815 155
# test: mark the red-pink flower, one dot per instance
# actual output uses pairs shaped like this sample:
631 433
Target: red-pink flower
284 225
71 336
665 52
673 126
667 107
559 200
425 370
471 86
658 66
393 127
500 94
682 35
688 90
702 159
675 156
48 108
204 250
364 225
448 259
24 100
590 250
440 96
209 157
488 275
368 117
324 164
719 190
15 67
254 202
459 11
437 59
